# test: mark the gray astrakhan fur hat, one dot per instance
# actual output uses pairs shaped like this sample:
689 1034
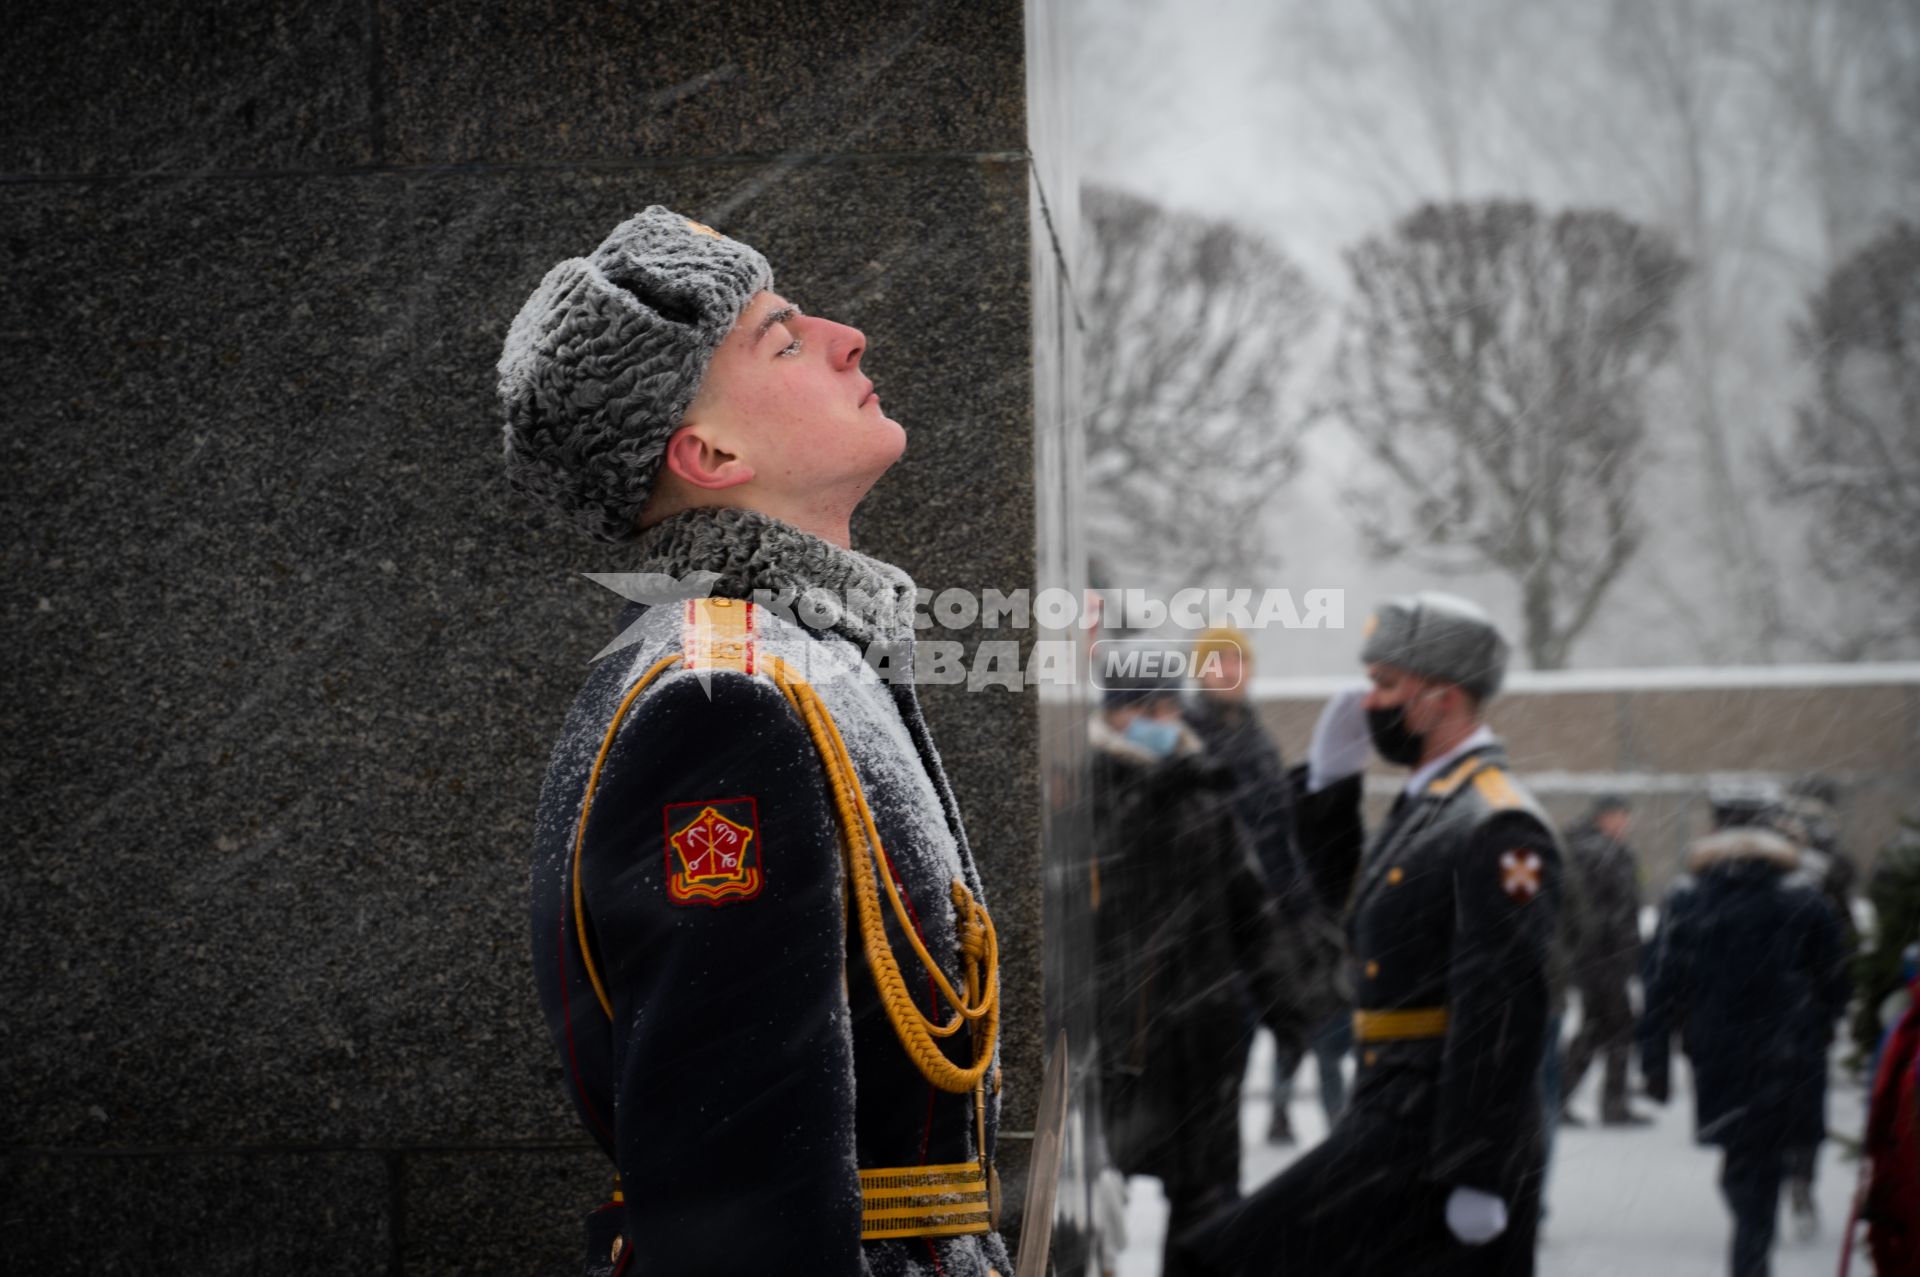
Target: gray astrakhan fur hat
1438 636
602 361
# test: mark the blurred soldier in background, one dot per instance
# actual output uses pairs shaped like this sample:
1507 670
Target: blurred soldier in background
1894 891
1223 716
1568 928
1812 803
1434 1164
1747 967
1184 925
1808 814
1606 956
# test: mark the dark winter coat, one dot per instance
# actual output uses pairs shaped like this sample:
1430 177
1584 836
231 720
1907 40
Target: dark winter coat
1894 890
1184 920
1607 947
747 1072
1262 794
1747 968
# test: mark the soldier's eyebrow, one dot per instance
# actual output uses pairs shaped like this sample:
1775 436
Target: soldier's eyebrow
772 317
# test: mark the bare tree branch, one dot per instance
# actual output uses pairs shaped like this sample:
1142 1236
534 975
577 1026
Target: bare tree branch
1854 458
1493 365
1194 331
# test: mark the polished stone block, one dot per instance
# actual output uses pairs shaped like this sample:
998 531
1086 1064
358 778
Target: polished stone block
212 1215
170 87
540 83
500 1211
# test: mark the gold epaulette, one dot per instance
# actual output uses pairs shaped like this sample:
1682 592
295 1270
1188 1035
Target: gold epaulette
1499 793
718 634
1452 779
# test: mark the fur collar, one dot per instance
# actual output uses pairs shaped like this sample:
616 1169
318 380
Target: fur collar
1727 846
751 552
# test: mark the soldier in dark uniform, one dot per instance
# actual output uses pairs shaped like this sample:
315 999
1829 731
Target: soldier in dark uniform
759 937
1606 957
1434 1165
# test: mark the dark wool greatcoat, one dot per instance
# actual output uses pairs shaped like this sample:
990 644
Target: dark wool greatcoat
748 1072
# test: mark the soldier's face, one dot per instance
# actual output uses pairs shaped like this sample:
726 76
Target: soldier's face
785 393
1424 703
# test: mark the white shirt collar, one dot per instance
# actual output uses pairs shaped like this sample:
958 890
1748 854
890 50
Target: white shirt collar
1482 735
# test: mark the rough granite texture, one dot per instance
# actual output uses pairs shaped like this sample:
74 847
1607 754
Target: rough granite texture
192 1213
527 80
172 87
459 1223
286 654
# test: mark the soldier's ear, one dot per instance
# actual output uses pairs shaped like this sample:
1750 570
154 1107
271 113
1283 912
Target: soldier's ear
703 462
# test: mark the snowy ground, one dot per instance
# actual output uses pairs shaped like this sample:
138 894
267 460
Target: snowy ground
1622 1203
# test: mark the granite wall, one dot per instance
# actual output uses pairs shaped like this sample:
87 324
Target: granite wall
286 658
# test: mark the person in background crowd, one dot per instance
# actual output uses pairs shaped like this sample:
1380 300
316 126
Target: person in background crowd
1813 802
1808 814
1606 956
1223 716
1890 1201
1894 892
1747 967
1568 927
1184 923
1434 1164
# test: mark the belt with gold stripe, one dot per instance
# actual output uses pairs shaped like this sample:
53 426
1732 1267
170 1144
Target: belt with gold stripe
1400 1026
925 1201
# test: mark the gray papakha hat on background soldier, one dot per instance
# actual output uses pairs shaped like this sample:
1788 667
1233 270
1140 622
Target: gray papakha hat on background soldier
602 362
1438 636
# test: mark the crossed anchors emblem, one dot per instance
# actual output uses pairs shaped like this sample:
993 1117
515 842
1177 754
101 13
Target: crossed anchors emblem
713 859
712 846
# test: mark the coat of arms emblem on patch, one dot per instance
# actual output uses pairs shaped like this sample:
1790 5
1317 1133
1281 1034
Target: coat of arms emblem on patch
713 851
1520 874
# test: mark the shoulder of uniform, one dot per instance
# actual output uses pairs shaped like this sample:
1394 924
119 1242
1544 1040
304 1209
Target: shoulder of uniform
1496 787
1489 782
1503 806
721 635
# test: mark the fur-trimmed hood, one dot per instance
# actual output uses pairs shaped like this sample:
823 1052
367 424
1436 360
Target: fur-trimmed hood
1728 846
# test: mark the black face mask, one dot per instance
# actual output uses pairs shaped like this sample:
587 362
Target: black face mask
1393 740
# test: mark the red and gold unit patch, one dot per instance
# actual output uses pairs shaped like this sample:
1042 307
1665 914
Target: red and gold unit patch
713 851
1520 874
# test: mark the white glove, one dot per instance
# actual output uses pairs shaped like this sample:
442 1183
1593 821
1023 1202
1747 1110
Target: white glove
1342 745
1476 1218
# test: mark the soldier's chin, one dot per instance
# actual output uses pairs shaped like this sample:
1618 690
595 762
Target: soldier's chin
898 435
